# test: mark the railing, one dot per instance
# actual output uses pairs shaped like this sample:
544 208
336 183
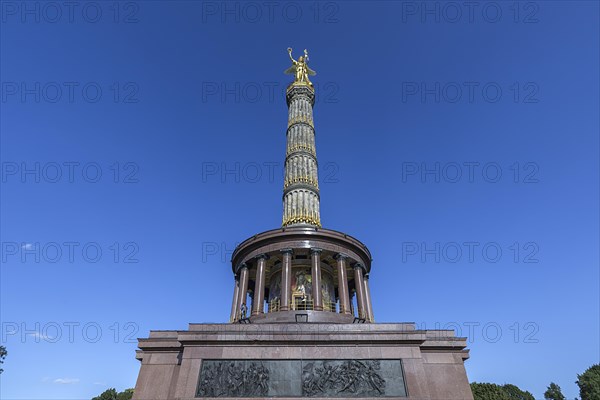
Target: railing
330 306
274 306
296 305
302 305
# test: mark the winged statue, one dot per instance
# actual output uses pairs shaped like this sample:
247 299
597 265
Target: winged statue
300 68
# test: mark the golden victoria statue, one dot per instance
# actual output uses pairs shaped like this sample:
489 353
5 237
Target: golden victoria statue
300 68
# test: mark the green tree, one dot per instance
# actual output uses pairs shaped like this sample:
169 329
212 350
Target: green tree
3 354
553 392
108 394
111 394
126 394
488 391
514 393
589 383
491 391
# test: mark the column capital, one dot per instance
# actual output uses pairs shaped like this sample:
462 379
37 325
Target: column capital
359 266
341 256
241 267
287 251
262 256
314 250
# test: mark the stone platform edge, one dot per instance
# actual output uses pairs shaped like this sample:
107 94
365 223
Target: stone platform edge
303 334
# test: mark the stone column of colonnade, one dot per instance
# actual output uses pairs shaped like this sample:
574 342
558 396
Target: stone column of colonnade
301 183
343 292
258 305
234 303
286 279
243 290
361 286
368 305
316 279
360 291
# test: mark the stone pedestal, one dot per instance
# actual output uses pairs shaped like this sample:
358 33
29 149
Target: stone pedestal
302 360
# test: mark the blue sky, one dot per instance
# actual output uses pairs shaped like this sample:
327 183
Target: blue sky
140 142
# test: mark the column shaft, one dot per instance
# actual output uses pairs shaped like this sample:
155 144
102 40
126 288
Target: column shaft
343 293
234 305
243 290
301 183
369 305
259 286
286 280
360 291
316 280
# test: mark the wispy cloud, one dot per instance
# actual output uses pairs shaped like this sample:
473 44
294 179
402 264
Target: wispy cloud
27 246
41 336
66 381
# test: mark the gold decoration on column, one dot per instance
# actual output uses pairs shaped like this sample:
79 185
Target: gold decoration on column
300 119
300 147
302 220
301 179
